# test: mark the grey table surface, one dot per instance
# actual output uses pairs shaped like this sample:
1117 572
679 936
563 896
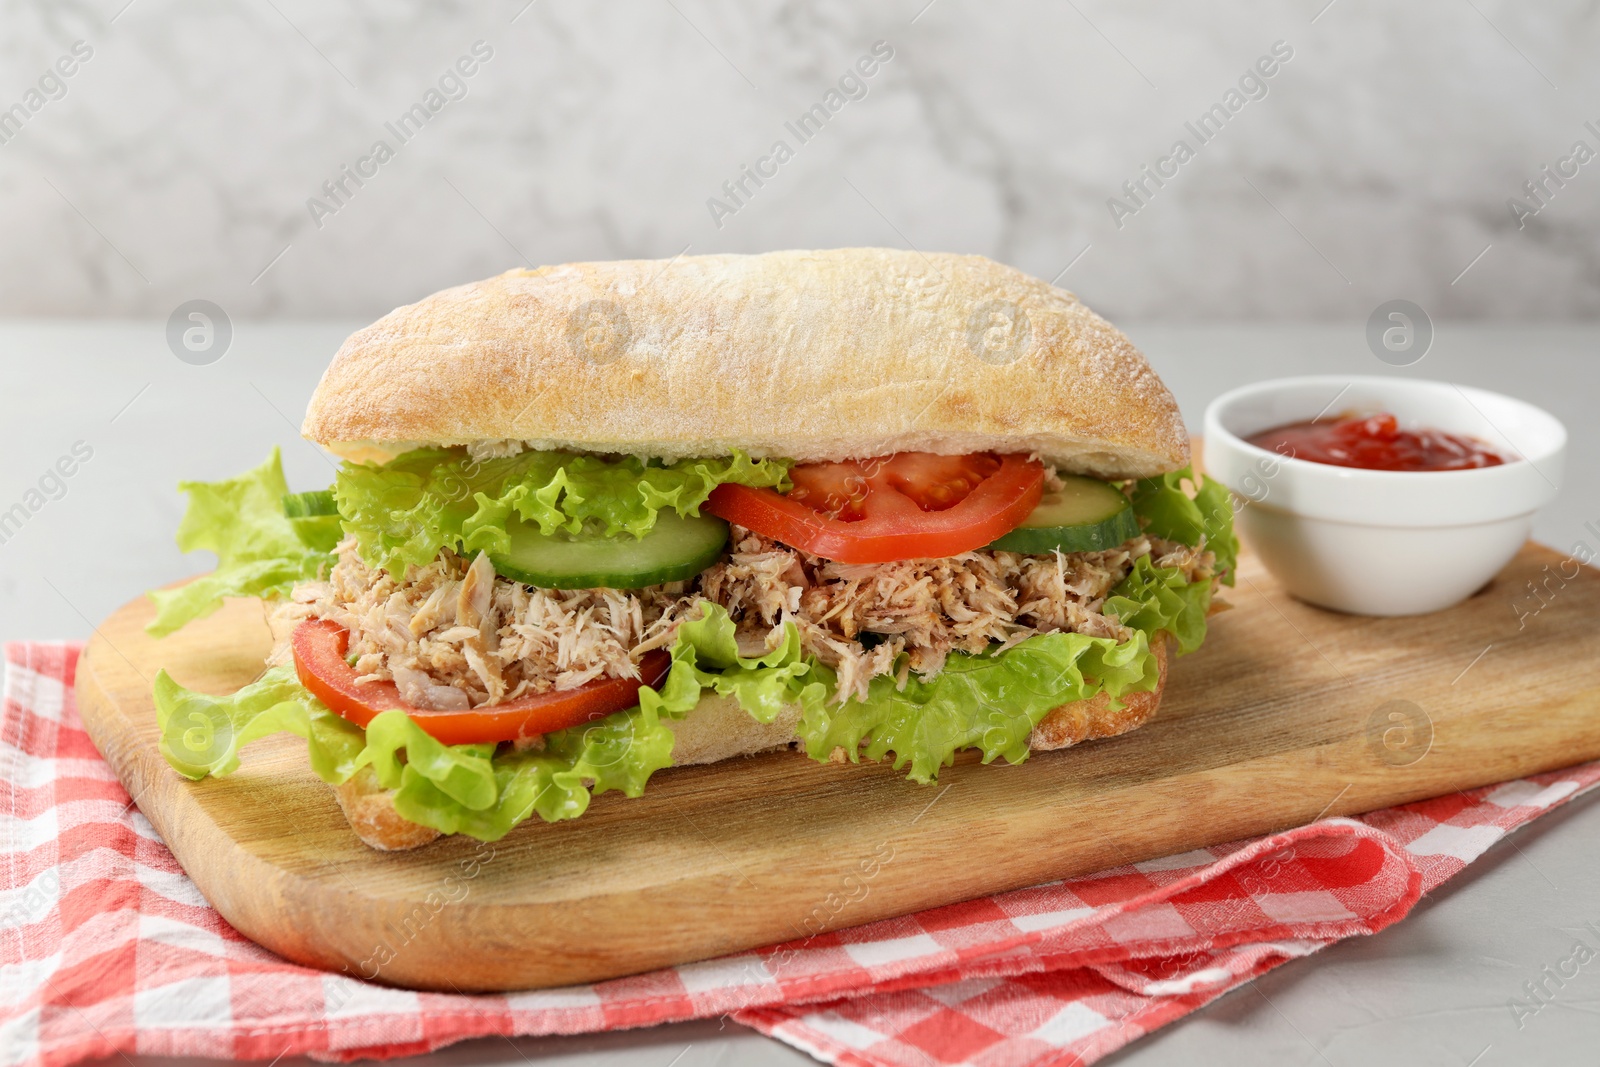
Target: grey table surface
1434 989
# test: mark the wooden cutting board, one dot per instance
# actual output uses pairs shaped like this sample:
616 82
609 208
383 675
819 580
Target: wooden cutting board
1287 713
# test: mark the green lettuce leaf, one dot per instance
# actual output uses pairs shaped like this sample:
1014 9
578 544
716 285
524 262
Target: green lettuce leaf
619 752
706 656
320 533
985 701
260 551
403 512
201 735
1171 513
1153 599
397 746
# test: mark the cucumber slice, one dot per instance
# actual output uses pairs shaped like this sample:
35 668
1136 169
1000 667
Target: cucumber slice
305 505
674 550
1085 515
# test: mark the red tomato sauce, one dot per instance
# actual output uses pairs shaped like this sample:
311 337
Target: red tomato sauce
1376 442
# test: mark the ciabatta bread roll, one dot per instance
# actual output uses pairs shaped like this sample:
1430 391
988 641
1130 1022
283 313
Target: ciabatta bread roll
821 355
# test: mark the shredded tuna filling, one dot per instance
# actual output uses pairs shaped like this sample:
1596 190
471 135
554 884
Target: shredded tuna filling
455 635
859 618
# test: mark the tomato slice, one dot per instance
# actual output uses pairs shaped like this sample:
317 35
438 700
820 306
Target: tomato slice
319 650
911 505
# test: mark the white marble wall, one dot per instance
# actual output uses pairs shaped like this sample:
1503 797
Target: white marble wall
177 160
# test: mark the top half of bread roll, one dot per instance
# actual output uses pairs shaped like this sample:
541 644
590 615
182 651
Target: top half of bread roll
809 355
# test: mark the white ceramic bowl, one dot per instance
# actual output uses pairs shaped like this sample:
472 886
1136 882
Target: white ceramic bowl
1384 542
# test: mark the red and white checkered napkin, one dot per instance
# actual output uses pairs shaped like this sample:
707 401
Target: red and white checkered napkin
105 945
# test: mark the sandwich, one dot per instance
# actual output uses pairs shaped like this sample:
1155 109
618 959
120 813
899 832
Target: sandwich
599 520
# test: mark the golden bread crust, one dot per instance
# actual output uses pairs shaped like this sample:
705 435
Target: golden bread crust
1092 719
369 808
804 354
